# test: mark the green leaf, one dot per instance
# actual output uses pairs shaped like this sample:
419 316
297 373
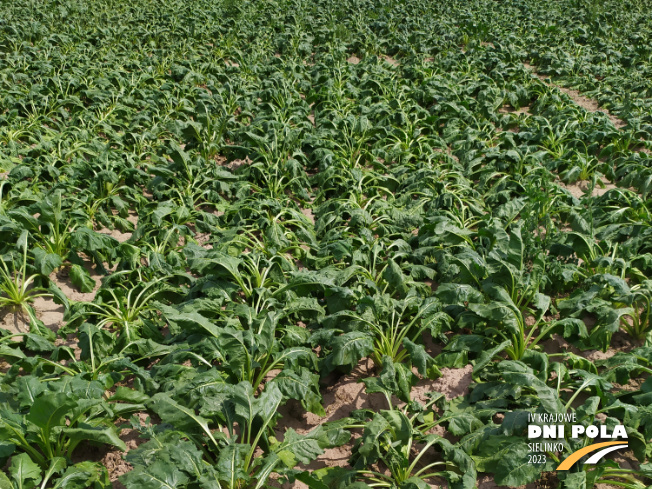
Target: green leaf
126 394
487 356
50 410
547 396
514 422
29 388
24 472
230 464
21 242
46 263
394 379
303 448
400 424
395 277
424 363
331 478
371 438
349 348
184 321
179 416
463 476
57 464
575 480
303 386
159 475
414 483
81 279
5 482
7 352
513 467
107 435
499 316
267 403
398 378
462 423
449 293
89 241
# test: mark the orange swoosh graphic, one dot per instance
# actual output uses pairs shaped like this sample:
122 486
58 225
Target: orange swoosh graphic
575 456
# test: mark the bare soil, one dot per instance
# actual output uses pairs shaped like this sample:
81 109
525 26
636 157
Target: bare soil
235 164
508 109
579 189
391 60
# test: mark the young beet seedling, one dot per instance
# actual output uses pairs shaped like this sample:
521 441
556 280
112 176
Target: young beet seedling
639 314
402 444
391 322
124 310
507 322
17 288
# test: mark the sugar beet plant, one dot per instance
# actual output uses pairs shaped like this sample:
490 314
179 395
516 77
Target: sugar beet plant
218 216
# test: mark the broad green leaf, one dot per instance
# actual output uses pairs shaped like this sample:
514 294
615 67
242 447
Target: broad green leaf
513 468
547 396
424 363
349 348
303 386
46 263
487 356
81 279
499 316
188 320
49 410
414 483
371 438
5 483
302 448
395 277
463 476
179 416
57 464
159 475
25 473
230 464
106 435
463 423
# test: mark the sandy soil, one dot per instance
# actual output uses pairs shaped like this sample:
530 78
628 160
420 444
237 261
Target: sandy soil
391 60
580 189
46 309
235 164
508 109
